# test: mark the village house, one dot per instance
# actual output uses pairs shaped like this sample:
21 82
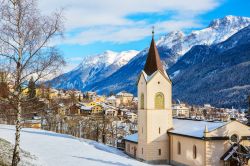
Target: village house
99 98
91 95
125 98
180 110
32 123
162 139
110 110
112 100
131 116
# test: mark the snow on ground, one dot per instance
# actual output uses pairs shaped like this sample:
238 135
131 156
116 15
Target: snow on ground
6 152
54 149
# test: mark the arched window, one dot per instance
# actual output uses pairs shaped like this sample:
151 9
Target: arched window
234 138
142 101
179 147
159 100
194 152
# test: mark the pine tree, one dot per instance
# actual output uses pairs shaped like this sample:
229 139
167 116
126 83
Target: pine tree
111 93
79 98
31 88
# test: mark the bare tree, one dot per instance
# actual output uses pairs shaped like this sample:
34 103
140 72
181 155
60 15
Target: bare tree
25 51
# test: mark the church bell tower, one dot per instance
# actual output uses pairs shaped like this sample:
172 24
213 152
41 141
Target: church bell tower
154 109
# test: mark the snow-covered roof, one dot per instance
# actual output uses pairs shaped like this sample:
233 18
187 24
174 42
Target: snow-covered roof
124 93
132 137
149 77
111 98
86 107
194 128
135 99
186 127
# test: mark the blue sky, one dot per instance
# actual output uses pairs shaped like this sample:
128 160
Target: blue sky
91 27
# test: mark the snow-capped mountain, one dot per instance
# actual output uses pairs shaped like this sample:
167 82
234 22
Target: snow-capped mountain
219 30
171 48
217 74
92 69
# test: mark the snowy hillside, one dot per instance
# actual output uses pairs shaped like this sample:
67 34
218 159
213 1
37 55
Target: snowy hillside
92 69
220 70
64 150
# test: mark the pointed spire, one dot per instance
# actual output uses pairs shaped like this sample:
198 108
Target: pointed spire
153 32
205 132
153 62
206 129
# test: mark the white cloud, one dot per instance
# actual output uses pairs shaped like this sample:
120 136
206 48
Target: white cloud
106 20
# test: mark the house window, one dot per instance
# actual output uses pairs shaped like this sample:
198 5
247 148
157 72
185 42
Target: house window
159 100
159 130
179 147
194 152
159 152
234 138
141 150
128 147
142 101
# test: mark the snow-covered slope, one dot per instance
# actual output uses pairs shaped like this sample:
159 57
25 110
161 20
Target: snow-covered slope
92 69
63 150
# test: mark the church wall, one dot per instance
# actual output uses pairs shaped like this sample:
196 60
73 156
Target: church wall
229 129
142 116
215 149
186 155
159 84
153 123
151 154
158 118
131 148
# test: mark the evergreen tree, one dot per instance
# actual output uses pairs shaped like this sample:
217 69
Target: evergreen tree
111 93
79 98
31 88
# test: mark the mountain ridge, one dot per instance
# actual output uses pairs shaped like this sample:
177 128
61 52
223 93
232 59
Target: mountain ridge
172 48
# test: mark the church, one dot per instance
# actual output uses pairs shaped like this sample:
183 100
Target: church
161 139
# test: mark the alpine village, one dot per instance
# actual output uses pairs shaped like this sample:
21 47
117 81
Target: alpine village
183 100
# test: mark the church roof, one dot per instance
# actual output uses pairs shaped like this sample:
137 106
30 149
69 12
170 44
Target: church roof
194 128
132 138
153 62
189 128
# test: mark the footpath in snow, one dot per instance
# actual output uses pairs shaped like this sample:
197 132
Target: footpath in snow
53 149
